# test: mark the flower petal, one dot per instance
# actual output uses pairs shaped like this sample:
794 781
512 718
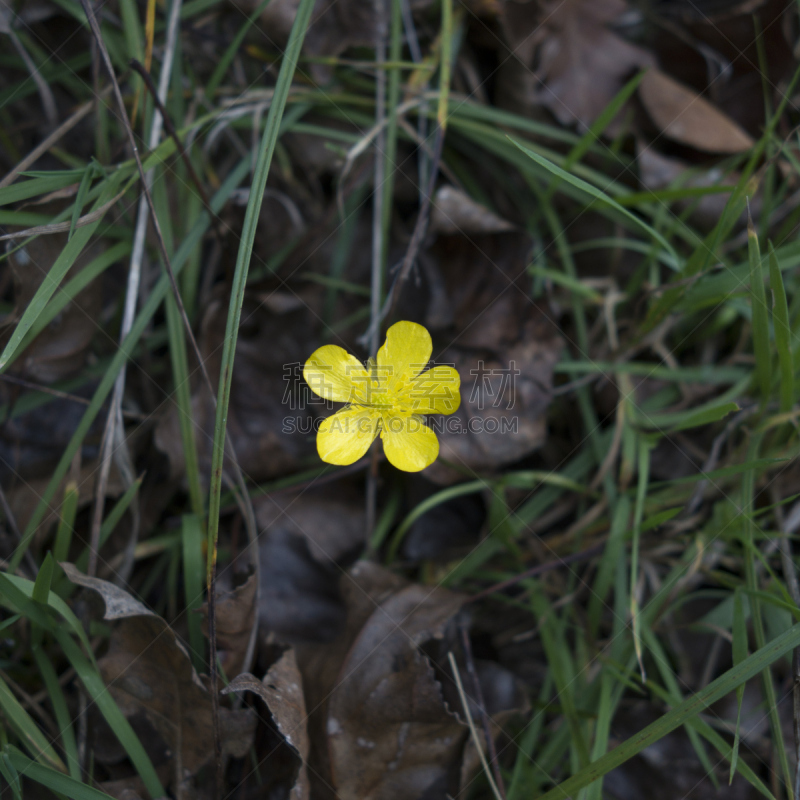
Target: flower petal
345 437
409 444
404 354
332 373
435 391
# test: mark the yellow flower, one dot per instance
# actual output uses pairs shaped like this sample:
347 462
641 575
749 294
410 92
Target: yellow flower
387 397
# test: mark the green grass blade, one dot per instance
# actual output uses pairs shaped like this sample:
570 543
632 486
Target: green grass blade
60 709
758 300
73 286
33 187
80 199
679 715
426 505
66 522
739 655
783 332
27 730
192 539
251 221
53 280
55 781
41 588
230 52
11 775
99 693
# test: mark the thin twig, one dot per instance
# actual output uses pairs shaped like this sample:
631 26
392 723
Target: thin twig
472 729
485 720
72 398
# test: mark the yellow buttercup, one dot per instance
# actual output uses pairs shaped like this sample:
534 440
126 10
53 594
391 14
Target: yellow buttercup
387 397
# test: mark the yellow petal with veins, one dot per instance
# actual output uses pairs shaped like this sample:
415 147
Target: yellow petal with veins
435 391
409 444
345 437
332 373
404 354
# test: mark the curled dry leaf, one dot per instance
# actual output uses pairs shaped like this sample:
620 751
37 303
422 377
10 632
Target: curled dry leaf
378 713
454 211
148 671
282 692
686 117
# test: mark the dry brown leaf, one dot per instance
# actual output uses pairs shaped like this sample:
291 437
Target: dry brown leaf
686 117
331 520
235 617
454 211
270 352
567 46
282 692
300 598
148 671
377 702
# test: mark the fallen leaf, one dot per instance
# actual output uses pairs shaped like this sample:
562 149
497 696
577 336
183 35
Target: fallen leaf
556 44
235 617
148 671
282 692
270 352
300 599
330 520
374 696
685 116
454 211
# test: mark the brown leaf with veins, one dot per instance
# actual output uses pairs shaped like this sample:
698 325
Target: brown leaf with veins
377 701
149 671
687 117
